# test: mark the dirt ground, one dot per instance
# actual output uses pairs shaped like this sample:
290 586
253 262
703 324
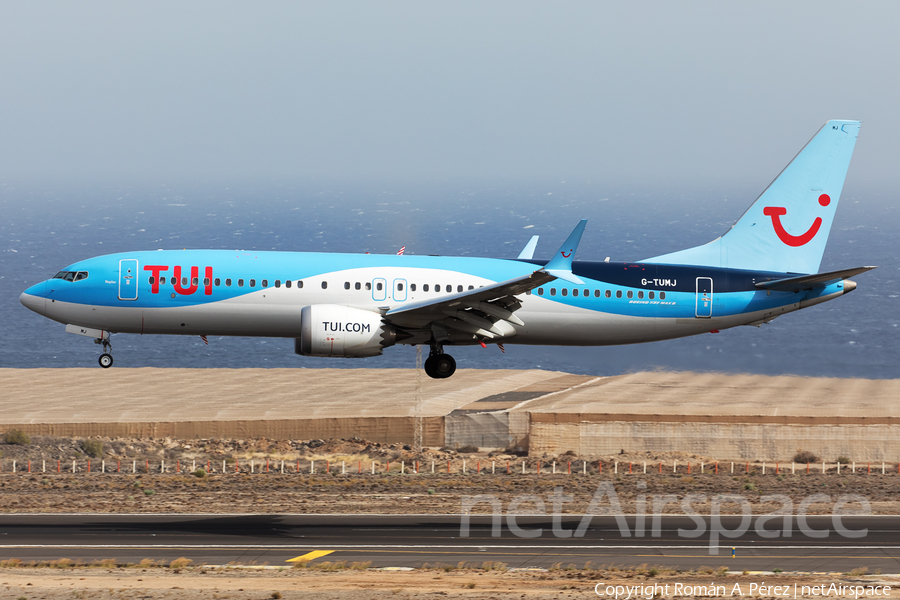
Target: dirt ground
387 491
199 584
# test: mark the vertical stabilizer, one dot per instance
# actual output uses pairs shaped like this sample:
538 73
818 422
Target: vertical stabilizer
786 229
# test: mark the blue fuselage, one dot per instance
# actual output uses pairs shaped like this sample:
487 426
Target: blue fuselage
216 292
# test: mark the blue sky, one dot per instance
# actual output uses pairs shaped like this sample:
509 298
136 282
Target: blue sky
648 93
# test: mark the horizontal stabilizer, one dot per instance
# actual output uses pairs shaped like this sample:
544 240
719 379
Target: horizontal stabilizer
806 282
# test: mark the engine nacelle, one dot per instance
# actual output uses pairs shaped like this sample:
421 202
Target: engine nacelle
334 330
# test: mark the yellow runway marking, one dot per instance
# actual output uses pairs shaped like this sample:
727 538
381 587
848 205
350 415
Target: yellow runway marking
310 556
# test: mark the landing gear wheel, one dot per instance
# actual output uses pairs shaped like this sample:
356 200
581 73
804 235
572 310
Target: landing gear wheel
106 360
440 366
429 367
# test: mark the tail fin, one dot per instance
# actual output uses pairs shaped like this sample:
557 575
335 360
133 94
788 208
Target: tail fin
787 227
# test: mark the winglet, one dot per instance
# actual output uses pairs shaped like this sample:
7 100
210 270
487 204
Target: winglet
527 252
561 264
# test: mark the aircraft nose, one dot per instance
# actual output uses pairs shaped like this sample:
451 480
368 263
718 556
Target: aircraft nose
34 298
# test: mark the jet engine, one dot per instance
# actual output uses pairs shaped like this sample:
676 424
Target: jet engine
334 330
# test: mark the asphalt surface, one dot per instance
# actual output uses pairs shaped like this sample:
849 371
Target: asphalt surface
413 540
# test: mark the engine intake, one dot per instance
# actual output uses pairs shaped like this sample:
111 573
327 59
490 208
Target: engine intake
334 330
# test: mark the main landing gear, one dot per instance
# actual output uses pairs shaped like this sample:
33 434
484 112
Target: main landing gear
106 359
439 365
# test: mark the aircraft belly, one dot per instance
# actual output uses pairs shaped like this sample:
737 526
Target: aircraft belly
583 327
126 319
239 318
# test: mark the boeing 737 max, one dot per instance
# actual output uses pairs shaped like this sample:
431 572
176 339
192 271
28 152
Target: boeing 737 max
356 305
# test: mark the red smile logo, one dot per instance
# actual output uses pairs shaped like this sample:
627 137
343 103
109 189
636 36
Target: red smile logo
794 240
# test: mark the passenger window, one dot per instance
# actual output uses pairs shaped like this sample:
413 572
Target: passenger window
252 283
459 288
630 294
228 282
218 282
552 291
265 283
346 285
184 282
618 293
399 287
471 287
641 294
206 281
368 285
357 286
597 293
81 275
608 294
287 283
449 288
651 295
662 295
540 291
324 285
378 286
194 281
299 283
412 287
425 288
240 283
565 291
151 280
277 283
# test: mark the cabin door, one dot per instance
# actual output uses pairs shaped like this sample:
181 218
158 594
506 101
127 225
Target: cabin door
704 297
128 279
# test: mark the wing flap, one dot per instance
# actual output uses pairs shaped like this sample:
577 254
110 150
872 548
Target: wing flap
487 312
488 293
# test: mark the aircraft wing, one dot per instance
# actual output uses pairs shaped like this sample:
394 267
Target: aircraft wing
528 251
807 282
479 311
488 311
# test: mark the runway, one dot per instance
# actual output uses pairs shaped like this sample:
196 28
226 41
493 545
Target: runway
415 540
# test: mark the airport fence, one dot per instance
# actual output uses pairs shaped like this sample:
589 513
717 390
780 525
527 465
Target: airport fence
449 467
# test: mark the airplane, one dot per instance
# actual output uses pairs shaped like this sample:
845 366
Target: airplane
356 305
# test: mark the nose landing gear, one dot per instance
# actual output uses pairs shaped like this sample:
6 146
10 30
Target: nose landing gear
439 365
106 359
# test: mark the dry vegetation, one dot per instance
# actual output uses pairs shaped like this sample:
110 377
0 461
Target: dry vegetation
385 492
328 581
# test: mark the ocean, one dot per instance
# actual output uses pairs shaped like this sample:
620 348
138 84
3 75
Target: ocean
47 226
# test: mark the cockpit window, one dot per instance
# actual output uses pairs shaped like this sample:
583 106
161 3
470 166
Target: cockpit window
71 275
